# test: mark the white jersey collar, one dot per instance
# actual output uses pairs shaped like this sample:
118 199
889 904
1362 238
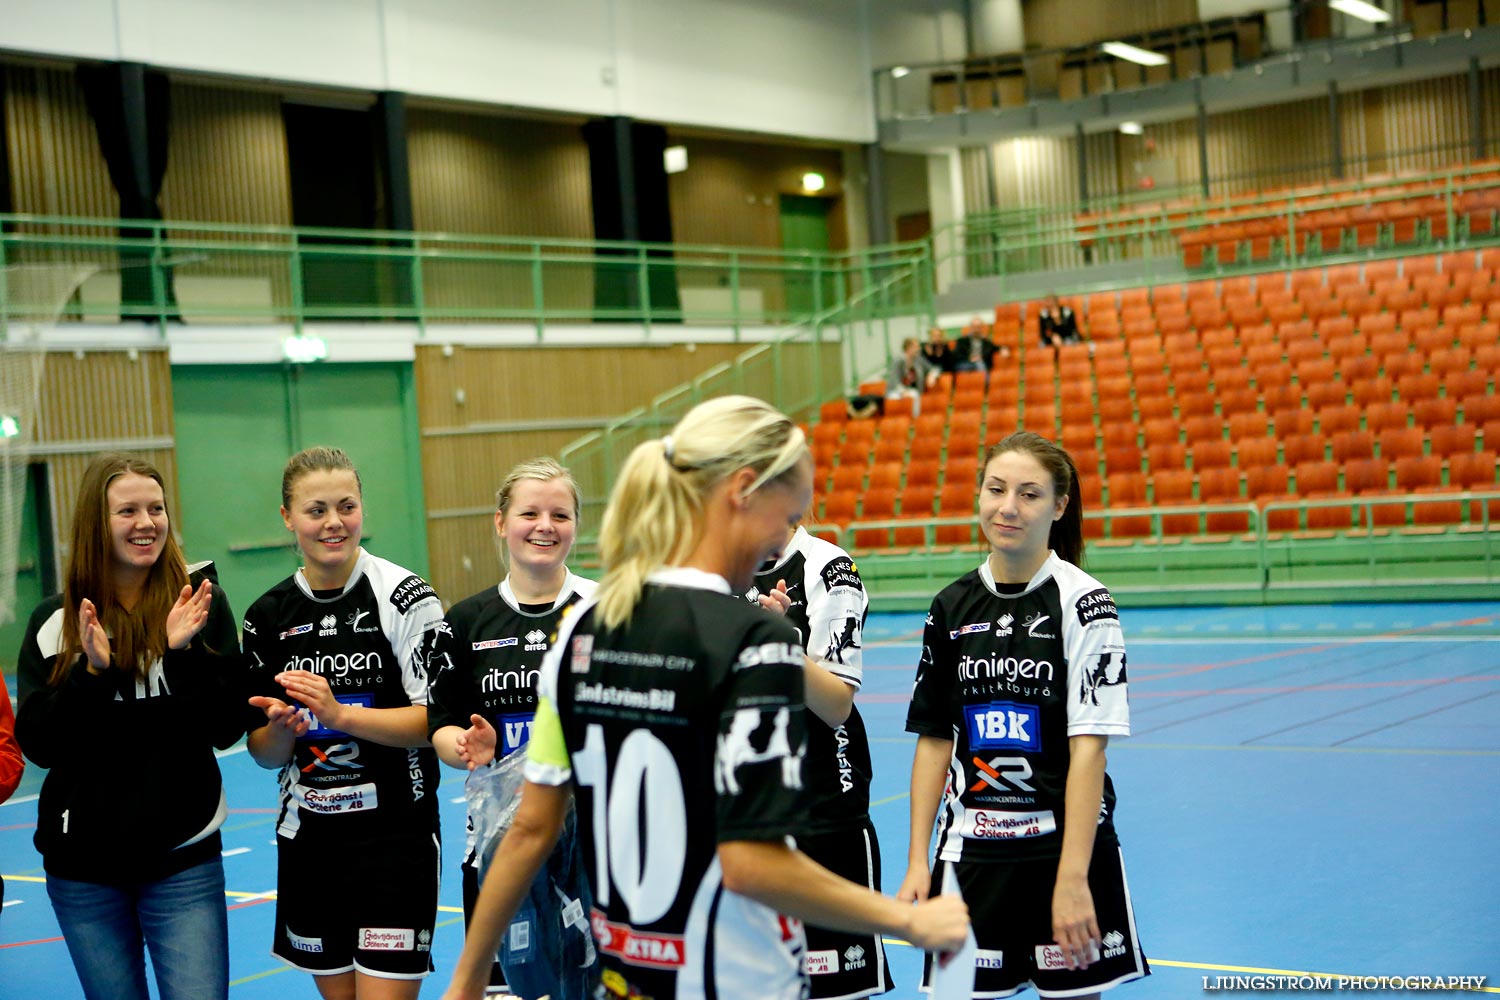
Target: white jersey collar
1039 577
568 589
693 579
360 562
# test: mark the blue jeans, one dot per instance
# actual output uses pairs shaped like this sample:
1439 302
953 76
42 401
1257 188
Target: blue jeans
181 919
549 947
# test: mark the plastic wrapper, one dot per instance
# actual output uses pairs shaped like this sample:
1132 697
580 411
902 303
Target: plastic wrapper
548 950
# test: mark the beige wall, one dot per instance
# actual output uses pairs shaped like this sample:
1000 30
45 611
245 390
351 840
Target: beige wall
1059 23
463 460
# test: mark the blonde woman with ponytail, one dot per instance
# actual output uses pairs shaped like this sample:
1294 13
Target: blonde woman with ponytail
673 709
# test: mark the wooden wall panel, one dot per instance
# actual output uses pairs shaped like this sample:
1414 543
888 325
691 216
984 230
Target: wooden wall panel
462 471
55 164
1051 24
730 193
1425 124
229 158
1269 147
1489 85
104 397
483 174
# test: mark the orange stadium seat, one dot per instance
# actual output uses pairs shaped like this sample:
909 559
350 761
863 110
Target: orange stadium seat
1255 451
1452 439
1166 455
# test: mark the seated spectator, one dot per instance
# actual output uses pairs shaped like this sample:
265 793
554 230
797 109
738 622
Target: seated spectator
1058 323
973 351
911 374
937 350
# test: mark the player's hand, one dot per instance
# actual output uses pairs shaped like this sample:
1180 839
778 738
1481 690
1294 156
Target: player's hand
93 638
777 599
1074 925
917 884
283 717
476 745
940 924
188 615
312 690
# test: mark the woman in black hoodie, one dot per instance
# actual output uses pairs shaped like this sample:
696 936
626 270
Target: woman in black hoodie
128 681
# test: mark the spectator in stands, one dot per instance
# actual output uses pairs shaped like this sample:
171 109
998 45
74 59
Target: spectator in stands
1058 324
11 764
938 352
911 374
973 351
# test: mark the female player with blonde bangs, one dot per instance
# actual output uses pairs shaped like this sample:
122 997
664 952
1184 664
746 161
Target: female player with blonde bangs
483 700
673 710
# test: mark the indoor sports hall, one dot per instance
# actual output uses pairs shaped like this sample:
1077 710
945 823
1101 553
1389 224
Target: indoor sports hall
1240 258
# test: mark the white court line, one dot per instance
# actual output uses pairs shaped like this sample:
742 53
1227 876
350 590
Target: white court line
14 902
233 851
18 801
1254 640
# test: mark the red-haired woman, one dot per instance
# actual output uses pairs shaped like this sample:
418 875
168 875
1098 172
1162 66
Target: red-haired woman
128 681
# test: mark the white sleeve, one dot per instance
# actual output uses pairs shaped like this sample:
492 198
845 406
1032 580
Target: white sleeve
836 605
1095 650
413 618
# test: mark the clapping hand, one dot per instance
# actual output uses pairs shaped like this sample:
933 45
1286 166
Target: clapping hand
777 599
92 635
188 615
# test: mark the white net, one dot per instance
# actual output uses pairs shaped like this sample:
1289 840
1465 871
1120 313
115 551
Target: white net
32 297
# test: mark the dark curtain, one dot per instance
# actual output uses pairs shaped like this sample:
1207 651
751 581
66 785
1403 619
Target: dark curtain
630 202
131 108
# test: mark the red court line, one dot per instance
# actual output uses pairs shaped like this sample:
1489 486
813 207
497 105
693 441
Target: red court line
22 944
19 826
253 902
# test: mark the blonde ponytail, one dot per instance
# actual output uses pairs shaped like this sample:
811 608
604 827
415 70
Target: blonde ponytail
655 512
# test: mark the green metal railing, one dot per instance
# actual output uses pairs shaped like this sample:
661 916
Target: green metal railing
1264 561
206 273
1076 236
795 372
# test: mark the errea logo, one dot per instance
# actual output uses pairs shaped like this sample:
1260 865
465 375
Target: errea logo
536 639
854 957
1005 624
328 625
1114 944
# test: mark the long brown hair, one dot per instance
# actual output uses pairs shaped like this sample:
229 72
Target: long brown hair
1066 535
138 636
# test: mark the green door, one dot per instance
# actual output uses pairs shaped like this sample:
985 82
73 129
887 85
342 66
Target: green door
236 425
804 226
36 577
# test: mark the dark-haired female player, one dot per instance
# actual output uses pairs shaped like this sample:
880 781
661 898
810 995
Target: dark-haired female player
1021 684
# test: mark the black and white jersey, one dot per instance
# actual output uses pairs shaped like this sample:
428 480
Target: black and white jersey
488 660
371 642
1009 679
680 730
828 607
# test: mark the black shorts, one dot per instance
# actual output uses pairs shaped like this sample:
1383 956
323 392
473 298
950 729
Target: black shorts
1010 907
841 966
471 894
369 907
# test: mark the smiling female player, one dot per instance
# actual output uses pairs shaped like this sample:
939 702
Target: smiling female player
483 699
337 656
673 710
1021 684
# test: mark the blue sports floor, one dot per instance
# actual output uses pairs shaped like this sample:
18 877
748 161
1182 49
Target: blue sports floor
1309 789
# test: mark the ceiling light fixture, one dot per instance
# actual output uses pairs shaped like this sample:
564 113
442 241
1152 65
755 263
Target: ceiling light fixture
1360 9
1134 54
1131 128
897 72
